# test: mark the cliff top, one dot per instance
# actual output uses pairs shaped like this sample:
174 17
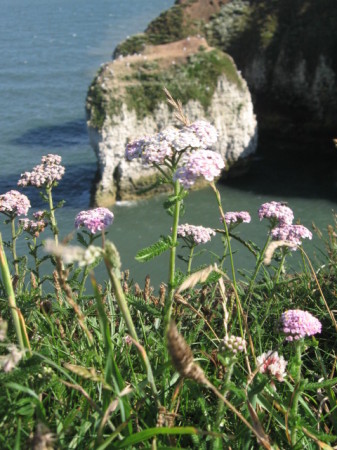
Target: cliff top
188 68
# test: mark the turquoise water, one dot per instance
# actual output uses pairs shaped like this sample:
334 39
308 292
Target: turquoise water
50 52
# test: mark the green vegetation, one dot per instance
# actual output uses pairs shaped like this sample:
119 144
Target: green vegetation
197 80
170 26
107 369
96 104
131 45
167 27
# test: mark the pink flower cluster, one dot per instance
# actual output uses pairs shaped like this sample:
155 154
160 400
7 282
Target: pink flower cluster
296 324
205 132
94 219
193 140
13 203
198 234
278 211
201 163
291 233
48 173
234 344
154 149
33 227
286 231
236 217
272 364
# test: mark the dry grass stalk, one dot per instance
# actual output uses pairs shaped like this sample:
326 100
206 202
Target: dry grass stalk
272 247
125 287
58 291
162 294
177 105
182 359
138 291
147 288
182 356
178 298
197 277
332 317
33 281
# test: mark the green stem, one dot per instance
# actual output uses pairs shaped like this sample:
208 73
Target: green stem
172 263
123 306
86 269
258 266
14 236
284 254
190 259
221 404
218 199
19 325
52 215
297 364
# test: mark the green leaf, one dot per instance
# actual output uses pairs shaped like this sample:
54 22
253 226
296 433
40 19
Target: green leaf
148 253
148 434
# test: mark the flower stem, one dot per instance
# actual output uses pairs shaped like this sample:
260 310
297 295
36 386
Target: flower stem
297 363
172 263
14 236
218 198
284 254
258 266
52 215
86 269
19 323
221 404
190 259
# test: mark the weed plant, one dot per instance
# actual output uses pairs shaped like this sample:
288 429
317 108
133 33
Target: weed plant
209 362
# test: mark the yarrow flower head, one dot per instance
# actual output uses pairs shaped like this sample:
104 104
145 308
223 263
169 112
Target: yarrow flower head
291 233
33 227
234 344
47 174
197 234
278 211
13 203
272 364
207 134
155 149
297 324
236 217
201 163
94 220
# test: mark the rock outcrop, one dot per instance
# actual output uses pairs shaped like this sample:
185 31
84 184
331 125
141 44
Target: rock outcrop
127 101
286 50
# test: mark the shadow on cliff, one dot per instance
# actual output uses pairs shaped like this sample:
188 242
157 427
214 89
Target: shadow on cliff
281 170
66 134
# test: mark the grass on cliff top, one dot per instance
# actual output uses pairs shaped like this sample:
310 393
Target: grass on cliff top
170 26
196 80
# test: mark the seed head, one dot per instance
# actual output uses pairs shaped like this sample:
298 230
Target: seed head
182 356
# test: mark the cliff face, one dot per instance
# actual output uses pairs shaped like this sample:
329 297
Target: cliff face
126 101
287 51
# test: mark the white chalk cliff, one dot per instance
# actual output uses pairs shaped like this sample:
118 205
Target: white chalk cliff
115 115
